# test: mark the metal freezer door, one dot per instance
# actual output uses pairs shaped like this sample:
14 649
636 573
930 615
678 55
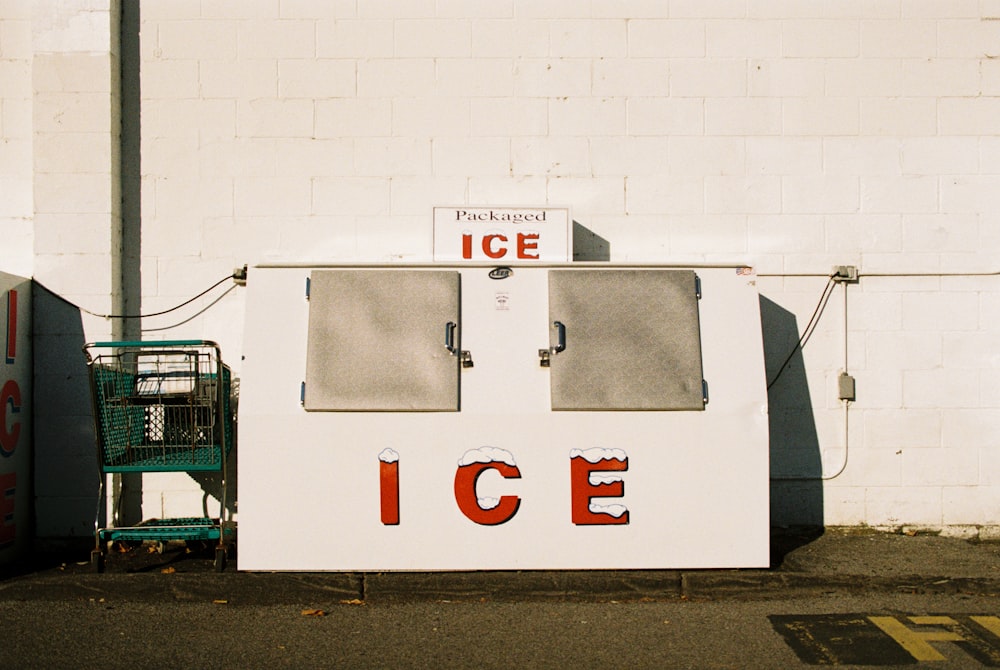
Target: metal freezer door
383 340
625 340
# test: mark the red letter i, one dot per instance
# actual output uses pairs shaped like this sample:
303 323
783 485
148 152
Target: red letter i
388 466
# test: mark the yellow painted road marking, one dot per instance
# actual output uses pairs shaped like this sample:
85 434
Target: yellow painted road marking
990 623
860 639
917 644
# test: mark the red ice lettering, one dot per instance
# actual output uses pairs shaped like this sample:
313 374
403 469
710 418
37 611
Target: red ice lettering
388 466
584 489
527 242
11 327
495 246
488 248
467 476
10 399
8 531
589 480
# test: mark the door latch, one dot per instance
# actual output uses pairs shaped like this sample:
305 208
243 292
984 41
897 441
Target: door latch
545 355
464 356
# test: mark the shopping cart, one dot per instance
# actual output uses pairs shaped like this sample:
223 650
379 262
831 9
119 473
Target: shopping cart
161 407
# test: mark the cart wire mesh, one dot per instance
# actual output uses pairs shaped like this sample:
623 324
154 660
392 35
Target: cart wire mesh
160 408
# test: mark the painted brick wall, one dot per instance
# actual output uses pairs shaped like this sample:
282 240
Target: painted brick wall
77 243
16 234
793 136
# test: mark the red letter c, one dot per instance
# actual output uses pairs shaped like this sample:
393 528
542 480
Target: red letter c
468 501
10 395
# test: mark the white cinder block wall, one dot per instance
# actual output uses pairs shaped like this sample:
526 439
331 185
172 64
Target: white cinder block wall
16 233
791 136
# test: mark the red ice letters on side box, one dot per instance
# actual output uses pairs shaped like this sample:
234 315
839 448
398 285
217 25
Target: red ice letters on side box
10 427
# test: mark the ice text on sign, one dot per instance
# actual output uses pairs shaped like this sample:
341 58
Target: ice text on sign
485 511
588 481
495 245
388 464
506 234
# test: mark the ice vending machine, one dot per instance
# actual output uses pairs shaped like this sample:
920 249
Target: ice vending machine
474 416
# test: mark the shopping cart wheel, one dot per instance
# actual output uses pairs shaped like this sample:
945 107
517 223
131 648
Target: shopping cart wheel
220 559
96 560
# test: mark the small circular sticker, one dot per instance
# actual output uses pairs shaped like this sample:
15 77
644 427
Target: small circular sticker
501 273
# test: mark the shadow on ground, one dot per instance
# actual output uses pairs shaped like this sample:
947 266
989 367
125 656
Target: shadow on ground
786 540
181 557
123 558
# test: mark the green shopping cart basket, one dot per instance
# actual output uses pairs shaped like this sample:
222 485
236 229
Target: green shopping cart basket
161 407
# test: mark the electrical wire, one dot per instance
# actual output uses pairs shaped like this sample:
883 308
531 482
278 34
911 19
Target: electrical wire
136 316
193 316
989 273
809 329
985 273
845 404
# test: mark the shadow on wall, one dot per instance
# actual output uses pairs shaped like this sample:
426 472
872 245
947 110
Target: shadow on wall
211 483
67 457
211 486
588 245
66 476
796 466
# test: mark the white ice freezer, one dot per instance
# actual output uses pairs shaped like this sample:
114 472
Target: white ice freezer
483 417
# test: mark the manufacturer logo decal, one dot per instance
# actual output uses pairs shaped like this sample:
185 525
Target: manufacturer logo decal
500 273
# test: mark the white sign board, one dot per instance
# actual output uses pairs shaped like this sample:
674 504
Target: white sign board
504 482
15 416
502 235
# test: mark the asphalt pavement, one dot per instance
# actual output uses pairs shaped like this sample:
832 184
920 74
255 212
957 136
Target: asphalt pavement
805 562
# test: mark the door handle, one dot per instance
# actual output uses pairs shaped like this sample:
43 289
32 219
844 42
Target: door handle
560 337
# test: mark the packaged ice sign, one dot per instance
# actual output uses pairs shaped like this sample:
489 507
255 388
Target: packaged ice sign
584 436
503 235
15 413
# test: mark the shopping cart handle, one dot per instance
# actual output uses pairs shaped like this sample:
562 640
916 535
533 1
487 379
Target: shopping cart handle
153 343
